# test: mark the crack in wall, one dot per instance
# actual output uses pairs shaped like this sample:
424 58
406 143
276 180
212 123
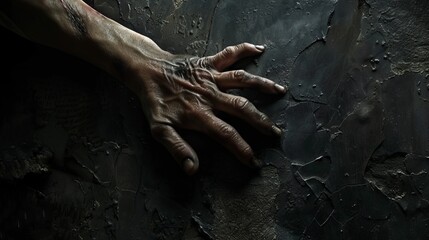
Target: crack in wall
211 27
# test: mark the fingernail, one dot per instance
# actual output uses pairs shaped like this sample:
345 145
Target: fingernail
188 165
260 47
277 131
257 163
280 88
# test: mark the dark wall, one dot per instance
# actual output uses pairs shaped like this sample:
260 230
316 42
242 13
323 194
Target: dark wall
77 160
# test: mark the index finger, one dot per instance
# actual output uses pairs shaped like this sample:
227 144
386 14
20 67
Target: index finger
232 54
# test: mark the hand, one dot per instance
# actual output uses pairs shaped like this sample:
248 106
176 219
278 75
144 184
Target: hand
181 92
175 91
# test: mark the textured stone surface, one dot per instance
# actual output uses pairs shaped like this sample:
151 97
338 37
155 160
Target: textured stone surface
77 160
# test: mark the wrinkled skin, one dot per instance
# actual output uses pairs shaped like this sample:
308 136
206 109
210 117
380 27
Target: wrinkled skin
176 92
187 91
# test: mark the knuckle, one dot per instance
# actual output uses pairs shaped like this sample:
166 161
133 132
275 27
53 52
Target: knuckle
212 92
190 111
229 50
246 45
239 74
240 102
204 62
263 118
195 113
178 146
228 132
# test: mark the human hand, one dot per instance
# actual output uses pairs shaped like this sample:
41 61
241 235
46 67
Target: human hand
175 91
182 92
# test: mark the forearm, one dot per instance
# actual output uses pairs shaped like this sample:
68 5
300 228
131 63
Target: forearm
75 28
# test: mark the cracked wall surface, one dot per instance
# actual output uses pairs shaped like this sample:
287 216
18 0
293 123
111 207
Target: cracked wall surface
77 160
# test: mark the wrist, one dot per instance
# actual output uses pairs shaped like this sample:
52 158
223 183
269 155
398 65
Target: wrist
131 58
110 44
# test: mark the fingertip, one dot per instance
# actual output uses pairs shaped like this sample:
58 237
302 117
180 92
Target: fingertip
256 163
277 131
260 47
190 166
253 162
280 88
